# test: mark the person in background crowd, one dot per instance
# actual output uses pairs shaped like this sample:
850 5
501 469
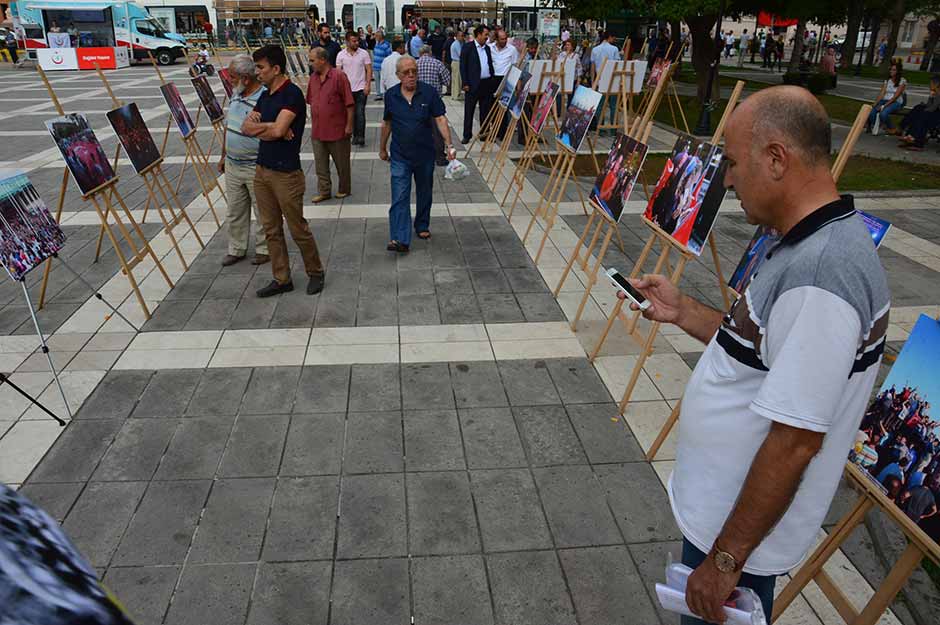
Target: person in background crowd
389 65
326 41
268 31
237 162
532 49
456 87
478 78
890 100
436 75
504 57
410 109
73 34
568 51
437 40
414 46
827 65
379 53
208 28
12 48
729 43
55 27
331 116
743 44
922 118
369 39
606 50
357 65
565 34
278 121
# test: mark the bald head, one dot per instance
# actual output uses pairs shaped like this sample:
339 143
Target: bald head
789 115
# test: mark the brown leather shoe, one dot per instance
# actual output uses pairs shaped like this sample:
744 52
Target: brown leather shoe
341 195
322 197
261 259
231 259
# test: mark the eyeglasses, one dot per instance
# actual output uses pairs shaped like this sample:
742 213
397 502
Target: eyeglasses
408 72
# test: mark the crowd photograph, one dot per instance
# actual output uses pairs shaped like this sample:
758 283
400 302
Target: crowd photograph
86 160
129 126
28 234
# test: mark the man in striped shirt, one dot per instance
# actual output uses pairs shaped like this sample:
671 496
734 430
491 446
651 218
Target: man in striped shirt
433 72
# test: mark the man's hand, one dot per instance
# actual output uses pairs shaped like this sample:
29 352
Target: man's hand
383 154
289 135
664 297
366 90
221 166
466 88
347 132
708 589
254 117
452 154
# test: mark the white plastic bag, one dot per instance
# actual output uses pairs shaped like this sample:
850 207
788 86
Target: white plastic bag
456 170
877 125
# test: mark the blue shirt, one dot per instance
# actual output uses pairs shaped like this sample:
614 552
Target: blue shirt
282 155
892 469
604 51
241 148
379 53
412 138
455 49
414 46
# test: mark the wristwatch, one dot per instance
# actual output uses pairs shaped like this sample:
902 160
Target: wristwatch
724 561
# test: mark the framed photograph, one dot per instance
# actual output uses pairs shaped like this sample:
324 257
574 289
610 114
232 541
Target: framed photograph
877 226
520 94
87 162
28 233
689 191
129 126
207 97
544 106
177 109
898 442
226 82
508 86
581 111
660 68
615 182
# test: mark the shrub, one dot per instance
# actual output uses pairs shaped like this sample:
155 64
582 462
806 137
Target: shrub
818 83
793 78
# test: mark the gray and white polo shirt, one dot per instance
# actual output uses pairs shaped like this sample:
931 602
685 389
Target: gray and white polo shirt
801 347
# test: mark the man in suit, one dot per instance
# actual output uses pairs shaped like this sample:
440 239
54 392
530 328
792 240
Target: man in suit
478 77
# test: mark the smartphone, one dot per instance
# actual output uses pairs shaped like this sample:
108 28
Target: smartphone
624 286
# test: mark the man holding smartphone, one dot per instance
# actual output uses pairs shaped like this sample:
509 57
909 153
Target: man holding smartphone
774 404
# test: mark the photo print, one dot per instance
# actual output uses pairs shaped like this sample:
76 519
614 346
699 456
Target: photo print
520 94
177 109
615 182
226 82
207 97
28 233
82 152
508 86
898 442
129 126
581 110
660 68
688 194
544 107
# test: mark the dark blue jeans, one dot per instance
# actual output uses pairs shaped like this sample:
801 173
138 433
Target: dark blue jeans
763 585
399 215
885 113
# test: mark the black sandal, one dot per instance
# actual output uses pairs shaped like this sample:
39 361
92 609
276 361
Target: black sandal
424 235
395 246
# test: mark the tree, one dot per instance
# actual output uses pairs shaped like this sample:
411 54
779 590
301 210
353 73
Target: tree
856 12
933 35
897 11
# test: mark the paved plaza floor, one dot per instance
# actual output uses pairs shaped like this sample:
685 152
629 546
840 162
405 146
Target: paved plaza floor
423 442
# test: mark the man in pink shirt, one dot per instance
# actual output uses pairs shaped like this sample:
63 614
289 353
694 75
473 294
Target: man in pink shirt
357 65
331 118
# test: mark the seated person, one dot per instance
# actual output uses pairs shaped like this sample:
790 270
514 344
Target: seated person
922 118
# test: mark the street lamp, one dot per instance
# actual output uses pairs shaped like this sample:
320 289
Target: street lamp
705 117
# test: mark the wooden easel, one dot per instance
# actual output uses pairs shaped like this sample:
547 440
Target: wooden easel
623 71
499 159
838 166
919 546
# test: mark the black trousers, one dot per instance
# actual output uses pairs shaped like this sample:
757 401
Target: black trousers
484 96
13 53
359 115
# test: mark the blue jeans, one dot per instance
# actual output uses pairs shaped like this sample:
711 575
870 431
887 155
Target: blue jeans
763 585
885 113
399 215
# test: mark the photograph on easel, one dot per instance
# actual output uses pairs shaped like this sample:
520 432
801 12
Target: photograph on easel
578 118
615 182
546 101
688 194
177 109
226 82
207 97
28 233
520 94
129 126
81 150
898 443
660 68
508 85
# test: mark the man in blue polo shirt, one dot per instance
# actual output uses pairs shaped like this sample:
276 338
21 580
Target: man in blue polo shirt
278 121
410 109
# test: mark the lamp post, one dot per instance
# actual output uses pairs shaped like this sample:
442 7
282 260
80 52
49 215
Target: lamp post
705 117
861 55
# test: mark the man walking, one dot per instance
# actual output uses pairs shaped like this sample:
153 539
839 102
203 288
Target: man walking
239 154
606 50
356 64
278 121
743 44
389 65
380 51
326 41
775 403
414 46
456 88
478 77
435 74
331 116
12 47
411 107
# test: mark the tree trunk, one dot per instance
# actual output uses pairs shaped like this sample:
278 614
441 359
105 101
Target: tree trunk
675 37
704 53
852 27
873 42
934 29
897 16
797 46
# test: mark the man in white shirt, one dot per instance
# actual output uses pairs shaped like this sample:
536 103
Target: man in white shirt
389 65
729 43
504 55
743 46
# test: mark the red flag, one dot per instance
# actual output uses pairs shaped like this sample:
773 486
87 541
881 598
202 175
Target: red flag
764 19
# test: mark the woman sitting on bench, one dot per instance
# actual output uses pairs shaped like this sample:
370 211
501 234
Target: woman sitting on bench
922 119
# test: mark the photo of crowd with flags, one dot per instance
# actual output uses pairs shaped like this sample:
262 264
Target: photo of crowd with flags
28 234
81 150
136 139
209 102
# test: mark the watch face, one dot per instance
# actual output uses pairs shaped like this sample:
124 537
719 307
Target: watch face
724 562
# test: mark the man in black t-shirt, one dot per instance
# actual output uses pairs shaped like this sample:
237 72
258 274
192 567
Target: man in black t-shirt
278 121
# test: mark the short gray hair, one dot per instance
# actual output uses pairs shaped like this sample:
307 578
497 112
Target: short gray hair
320 53
424 50
242 65
402 60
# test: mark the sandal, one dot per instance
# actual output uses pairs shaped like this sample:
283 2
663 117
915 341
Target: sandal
424 235
395 246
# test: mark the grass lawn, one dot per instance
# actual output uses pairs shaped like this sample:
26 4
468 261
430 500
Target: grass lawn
914 77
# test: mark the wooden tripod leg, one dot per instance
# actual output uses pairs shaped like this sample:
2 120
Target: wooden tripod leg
614 314
575 255
553 209
58 219
202 183
483 125
208 169
722 285
167 226
165 189
103 215
910 559
586 257
145 244
662 262
592 277
547 191
664 432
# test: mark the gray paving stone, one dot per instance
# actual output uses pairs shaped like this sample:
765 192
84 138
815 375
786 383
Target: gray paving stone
115 396
639 502
377 309
168 393
303 519
55 499
420 310
191 286
539 307
255 447
441 519
606 587
509 510
371 592
576 507
212 593
253 312
212 314
294 310
100 516
547 435
489 280
323 389
459 307
415 282
291 593
374 388
336 310
432 440
372 517
576 381
604 439
196 448
477 385
525 280
271 390
651 560
233 523
163 526
143 591
449 590
527 383
529 589
500 308
314 445
373 442
426 386
490 438
229 285
76 453
171 315
136 450
220 392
